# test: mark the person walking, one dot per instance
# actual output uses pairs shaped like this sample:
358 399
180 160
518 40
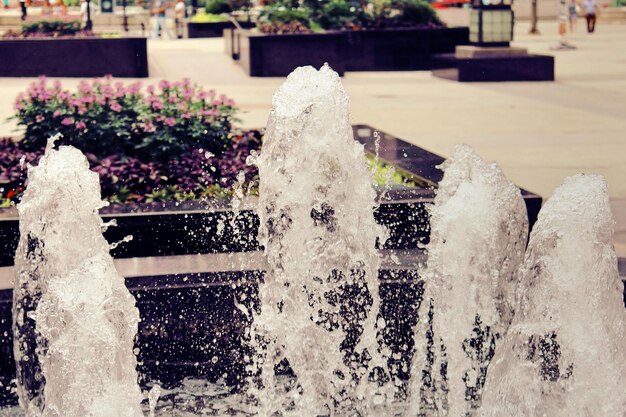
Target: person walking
590 7
179 17
160 13
6 3
24 10
573 15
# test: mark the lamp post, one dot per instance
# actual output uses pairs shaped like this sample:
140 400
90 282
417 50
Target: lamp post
125 17
89 24
491 23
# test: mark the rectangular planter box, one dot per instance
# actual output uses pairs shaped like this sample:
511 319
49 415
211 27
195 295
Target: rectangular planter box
367 50
399 49
90 57
512 68
277 55
212 30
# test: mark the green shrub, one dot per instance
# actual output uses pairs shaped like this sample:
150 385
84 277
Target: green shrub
337 14
217 7
208 18
278 18
416 12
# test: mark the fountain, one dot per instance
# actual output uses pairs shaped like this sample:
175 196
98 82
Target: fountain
501 331
478 235
320 300
75 321
564 352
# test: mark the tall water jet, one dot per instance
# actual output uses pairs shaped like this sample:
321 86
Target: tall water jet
320 295
564 353
478 235
85 318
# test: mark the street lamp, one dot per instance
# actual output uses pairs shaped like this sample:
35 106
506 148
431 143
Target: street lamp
89 24
491 23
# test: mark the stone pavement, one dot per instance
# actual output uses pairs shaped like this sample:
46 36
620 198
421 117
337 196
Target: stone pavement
539 133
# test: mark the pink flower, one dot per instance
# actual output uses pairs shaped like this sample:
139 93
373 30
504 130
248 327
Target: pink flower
39 118
149 127
64 95
56 113
164 85
172 99
67 121
187 115
134 88
217 102
157 105
116 107
230 102
170 121
84 87
159 118
150 89
81 125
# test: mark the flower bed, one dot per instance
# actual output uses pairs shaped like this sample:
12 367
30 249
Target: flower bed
171 142
43 29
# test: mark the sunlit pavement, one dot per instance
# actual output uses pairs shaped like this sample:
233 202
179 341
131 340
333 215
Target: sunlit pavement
539 133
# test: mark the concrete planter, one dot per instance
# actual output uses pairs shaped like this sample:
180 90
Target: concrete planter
212 30
400 49
79 57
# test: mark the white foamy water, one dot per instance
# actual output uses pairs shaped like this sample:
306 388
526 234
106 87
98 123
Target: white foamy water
86 319
478 235
564 354
321 289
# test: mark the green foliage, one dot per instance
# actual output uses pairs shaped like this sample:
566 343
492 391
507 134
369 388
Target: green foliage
289 16
618 3
337 14
208 18
418 12
52 28
386 175
217 7
284 14
280 18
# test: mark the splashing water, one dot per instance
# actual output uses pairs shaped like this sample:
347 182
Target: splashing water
564 353
478 234
86 319
320 297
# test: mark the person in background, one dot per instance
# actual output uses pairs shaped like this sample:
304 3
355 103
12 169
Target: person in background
6 3
590 7
24 10
160 12
179 16
573 15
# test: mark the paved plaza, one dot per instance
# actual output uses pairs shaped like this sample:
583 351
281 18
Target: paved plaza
539 133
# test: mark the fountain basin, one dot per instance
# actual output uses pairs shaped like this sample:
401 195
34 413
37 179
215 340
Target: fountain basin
186 274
